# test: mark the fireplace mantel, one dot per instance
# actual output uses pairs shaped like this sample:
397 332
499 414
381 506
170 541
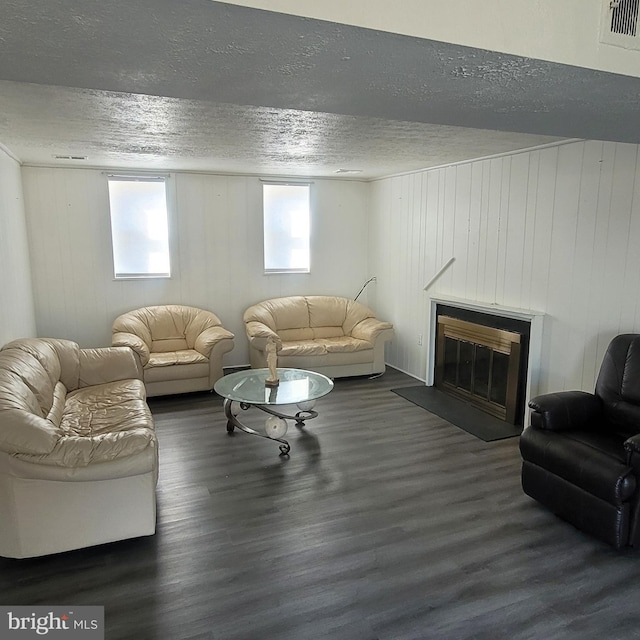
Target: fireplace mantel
533 317
486 307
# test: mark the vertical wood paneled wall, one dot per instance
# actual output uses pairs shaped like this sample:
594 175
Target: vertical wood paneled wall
217 251
17 316
554 229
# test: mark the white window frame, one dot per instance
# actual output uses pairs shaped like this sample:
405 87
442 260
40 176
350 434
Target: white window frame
165 242
274 233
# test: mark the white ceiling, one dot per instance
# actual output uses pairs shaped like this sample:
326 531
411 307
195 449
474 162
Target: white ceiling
206 86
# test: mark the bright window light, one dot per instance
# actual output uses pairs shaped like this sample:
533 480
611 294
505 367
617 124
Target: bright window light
287 227
139 227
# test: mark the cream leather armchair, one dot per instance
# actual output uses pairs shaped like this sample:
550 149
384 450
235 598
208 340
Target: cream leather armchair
180 348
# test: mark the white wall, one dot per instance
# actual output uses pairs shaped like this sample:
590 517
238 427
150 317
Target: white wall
217 252
555 230
567 32
17 317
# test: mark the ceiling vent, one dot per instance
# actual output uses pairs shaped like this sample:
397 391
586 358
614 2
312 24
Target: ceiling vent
620 23
60 157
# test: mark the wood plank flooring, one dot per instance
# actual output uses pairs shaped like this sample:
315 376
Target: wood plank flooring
385 523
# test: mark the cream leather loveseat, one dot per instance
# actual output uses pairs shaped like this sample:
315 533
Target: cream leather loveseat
180 347
78 450
331 335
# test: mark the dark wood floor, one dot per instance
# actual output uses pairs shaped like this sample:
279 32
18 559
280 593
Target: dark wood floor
384 523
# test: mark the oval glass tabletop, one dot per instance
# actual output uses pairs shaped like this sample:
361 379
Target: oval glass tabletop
296 385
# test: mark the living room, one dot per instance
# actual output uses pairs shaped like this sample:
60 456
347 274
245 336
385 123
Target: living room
549 227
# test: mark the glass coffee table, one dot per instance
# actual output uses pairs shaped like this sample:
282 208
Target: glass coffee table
245 389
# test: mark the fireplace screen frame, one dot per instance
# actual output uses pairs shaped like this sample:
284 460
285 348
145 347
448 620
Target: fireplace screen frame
474 336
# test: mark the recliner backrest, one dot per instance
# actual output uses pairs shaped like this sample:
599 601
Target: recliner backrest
618 384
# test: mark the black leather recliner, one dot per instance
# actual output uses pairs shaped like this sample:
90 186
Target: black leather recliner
581 454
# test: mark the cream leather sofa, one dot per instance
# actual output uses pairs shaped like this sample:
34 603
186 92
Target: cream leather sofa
180 347
78 450
331 335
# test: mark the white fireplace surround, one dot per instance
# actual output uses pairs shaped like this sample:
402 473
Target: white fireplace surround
534 318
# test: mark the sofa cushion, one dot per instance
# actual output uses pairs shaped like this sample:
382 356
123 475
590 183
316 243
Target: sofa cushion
316 361
322 346
293 335
113 406
185 356
345 344
326 311
107 364
302 348
169 344
327 332
280 313
99 424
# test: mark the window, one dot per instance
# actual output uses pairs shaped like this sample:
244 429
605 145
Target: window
286 227
139 227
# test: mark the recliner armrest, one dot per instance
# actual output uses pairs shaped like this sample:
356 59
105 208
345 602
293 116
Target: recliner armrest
565 410
632 445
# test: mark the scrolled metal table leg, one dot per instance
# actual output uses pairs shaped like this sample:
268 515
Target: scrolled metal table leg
284 449
300 417
233 422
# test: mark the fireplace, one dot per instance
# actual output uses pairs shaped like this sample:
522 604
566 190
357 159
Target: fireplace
480 365
483 359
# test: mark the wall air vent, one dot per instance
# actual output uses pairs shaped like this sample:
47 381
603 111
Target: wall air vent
620 23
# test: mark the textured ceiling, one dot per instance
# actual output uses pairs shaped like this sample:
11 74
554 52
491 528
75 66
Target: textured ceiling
202 85
131 130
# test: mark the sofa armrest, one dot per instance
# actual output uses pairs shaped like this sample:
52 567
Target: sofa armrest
370 329
122 339
209 338
108 364
566 410
260 334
